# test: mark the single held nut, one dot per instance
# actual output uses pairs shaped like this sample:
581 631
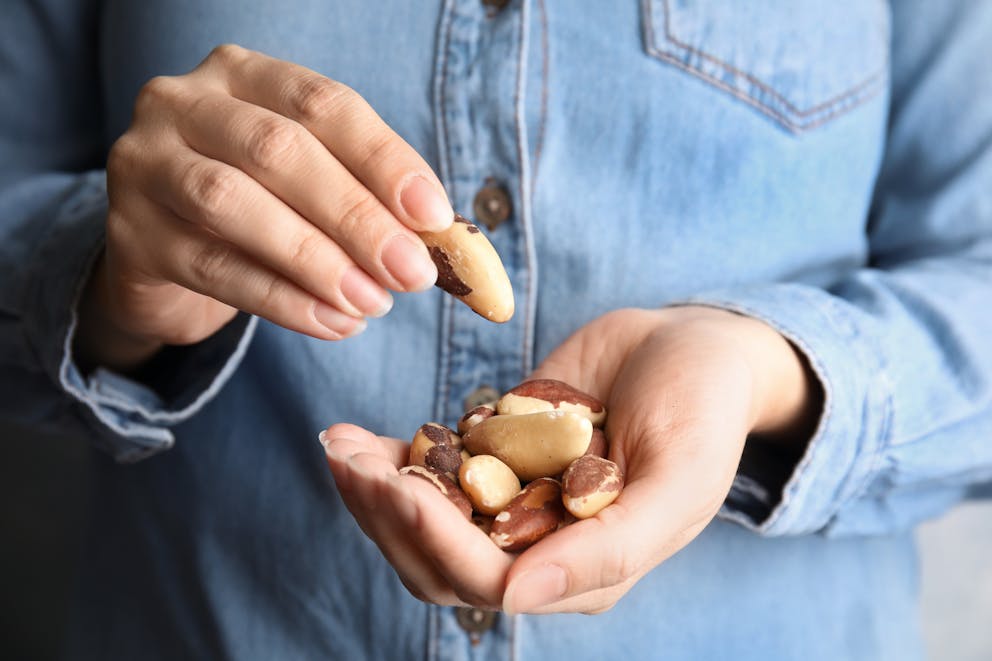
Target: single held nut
469 268
450 490
589 484
488 483
548 395
532 445
533 513
598 446
475 416
429 435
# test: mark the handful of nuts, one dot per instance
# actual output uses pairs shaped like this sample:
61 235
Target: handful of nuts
523 466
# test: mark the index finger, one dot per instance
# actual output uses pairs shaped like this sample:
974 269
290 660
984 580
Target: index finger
350 129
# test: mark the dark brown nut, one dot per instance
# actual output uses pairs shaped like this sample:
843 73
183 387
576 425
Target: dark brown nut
599 446
483 522
534 513
444 485
548 395
445 459
429 435
469 268
533 445
589 484
475 416
488 483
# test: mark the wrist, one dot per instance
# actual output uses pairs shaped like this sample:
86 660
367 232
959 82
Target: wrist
99 339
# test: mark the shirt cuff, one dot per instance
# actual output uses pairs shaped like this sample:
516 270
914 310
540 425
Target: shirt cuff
130 419
841 345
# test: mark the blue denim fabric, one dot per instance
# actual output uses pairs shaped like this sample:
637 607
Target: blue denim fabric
825 167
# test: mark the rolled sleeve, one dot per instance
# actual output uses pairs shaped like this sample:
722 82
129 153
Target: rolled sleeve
847 446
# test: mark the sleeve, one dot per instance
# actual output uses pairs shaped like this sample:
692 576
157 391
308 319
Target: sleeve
903 346
53 201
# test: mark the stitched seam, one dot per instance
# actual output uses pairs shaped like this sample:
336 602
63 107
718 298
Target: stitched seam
852 93
539 139
530 298
444 154
751 101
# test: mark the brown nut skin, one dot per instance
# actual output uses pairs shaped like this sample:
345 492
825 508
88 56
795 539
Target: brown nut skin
599 446
446 459
589 484
533 514
429 435
533 445
469 268
488 482
475 416
450 490
548 395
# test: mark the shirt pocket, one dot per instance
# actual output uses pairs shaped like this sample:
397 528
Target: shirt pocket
801 62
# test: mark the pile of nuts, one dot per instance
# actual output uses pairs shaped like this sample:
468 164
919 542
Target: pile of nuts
523 466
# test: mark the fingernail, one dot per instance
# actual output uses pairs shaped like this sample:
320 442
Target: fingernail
409 264
426 205
363 292
337 322
322 437
538 587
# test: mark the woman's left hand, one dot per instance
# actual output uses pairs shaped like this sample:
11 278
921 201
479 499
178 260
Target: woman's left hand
684 387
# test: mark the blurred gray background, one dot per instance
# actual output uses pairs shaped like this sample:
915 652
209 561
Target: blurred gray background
43 491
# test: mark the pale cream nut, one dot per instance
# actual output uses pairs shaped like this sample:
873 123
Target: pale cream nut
469 268
488 483
549 395
533 445
589 484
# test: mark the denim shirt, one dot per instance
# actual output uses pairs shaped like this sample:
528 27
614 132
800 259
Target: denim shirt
825 167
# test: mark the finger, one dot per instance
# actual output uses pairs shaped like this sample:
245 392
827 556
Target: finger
343 121
465 556
346 440
238 209
290 162
197 260
379 520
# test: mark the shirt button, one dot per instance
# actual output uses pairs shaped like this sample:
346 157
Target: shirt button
494 6
475 621
481 395
492 205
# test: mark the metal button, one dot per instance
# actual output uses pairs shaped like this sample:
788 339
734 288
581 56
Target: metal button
492 204
475 620
494 6
481 395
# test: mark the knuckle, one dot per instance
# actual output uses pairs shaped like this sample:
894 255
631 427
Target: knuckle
208 264
356 215
157 92
305 252
122 157
272 143
314 98
209 189
272 296
226 54
380 150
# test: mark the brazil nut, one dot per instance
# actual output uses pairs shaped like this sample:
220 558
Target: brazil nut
548 395
443 484
488 483
469 268
531 515
429 435
589 484
532 445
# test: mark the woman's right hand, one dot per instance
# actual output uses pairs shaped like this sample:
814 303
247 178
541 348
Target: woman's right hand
254 184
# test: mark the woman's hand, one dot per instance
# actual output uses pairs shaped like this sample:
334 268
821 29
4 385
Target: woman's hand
258 185
684 387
